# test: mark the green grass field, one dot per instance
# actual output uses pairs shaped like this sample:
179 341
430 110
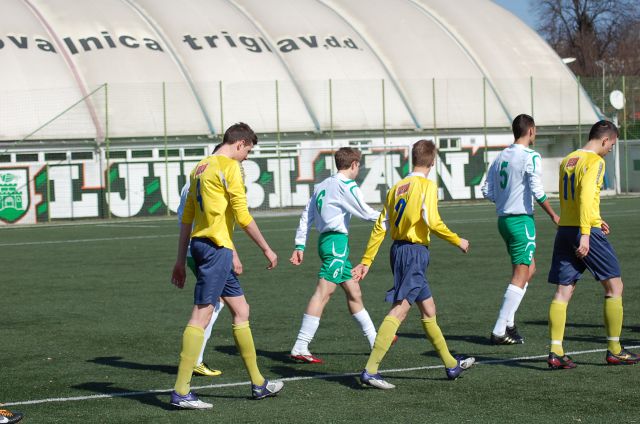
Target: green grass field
91 331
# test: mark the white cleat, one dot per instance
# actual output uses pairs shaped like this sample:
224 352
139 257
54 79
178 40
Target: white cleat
188 401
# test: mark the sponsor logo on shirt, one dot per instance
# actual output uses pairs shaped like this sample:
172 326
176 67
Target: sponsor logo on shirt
402 189
201 169
572 162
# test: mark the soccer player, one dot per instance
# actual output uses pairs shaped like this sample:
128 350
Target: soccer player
331 206
514 180
8 417
202 368
581 243
215 201
411 213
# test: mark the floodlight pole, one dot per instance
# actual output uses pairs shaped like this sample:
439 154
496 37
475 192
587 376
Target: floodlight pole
603 65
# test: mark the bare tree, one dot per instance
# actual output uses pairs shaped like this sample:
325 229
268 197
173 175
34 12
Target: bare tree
592 31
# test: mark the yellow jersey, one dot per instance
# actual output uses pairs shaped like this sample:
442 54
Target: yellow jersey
581 176
411 211
216 200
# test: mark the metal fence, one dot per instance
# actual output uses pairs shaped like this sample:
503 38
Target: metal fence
51 175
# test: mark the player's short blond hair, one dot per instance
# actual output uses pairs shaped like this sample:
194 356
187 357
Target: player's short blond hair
423 153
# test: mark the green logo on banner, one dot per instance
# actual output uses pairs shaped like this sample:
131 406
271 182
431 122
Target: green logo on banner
14 194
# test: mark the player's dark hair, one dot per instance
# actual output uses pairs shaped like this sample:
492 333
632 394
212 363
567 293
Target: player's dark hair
345 156
239 131
218 146
603 129
521 125
423 153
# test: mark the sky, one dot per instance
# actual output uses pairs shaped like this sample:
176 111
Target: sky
522 9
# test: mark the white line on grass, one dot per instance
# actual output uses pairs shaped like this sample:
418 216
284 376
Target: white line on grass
315 377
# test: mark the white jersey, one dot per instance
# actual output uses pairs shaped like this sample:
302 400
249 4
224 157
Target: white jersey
333 202
183 200
514 180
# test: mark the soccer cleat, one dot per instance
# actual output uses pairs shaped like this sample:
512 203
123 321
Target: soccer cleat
463 364
188 401
557 362
305 357
623 358
8 417
513 333
502 340
375 380
203 369
269 388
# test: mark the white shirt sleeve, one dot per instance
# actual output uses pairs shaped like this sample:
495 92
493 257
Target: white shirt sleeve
306 219
355 204
183 200
533 169
488 189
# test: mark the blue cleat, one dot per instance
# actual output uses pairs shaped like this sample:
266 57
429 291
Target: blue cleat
463 364
375 380
188 401
269 388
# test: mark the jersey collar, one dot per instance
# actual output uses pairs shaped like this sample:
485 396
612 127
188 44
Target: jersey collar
417 174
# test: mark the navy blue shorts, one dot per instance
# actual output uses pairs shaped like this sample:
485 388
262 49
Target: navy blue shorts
214 272
409 263
566 268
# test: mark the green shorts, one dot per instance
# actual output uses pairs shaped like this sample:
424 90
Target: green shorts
519 234
192 265
333 249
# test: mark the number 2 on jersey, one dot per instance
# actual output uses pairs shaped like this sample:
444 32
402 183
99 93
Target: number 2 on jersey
400 209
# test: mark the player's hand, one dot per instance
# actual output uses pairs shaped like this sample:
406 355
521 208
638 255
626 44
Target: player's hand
271 257
296 257
605 228
556 219
237 265
178 276
583 249
359 272
464 245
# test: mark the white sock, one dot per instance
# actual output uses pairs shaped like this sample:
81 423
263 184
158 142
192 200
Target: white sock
512 298
368 329
511 319
207 331
307 332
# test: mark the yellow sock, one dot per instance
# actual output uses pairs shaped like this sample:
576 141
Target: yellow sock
613 323
557 321
434 334
244 344
192 340
386 333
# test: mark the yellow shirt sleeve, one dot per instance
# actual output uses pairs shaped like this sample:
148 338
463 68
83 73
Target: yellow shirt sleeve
377 234
237 195
589 184
432 217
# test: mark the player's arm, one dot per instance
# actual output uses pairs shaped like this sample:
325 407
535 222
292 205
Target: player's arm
533 169
238 200
375 240
588 187
237 265
432 217
304 226
355 204
488 188
178 276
